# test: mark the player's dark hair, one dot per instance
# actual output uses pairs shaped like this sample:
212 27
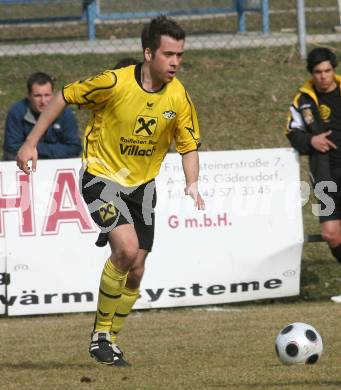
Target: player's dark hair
39 78
126 61
318 55
152 32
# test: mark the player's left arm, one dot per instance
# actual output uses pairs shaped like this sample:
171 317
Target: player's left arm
190 164
187 140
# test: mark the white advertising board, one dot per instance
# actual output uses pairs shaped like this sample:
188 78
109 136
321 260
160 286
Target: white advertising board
246 245
3 276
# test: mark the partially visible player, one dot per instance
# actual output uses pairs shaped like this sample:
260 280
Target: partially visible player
126 61
314 129
137 112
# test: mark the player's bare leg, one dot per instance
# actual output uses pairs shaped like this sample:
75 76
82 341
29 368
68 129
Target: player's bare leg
331 233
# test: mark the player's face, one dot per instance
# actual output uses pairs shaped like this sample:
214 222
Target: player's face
40 96
324 77
167 59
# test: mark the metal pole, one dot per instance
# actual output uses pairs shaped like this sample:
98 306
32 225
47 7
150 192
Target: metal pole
301 30
241 16
91 12
265 16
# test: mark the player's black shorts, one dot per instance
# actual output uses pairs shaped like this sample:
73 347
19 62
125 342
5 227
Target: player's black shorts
111 205
334 199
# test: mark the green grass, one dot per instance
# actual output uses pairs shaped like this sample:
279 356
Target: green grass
183 349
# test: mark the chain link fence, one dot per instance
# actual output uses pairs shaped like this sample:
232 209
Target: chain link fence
61 26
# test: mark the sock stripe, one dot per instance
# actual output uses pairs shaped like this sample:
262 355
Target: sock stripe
109 295
121 315
102 313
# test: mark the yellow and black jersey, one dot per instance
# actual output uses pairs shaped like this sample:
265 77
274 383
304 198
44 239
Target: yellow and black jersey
130 130
312 113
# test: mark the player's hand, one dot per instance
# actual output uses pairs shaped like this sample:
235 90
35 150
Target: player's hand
199 202
321 142
192 191
26 153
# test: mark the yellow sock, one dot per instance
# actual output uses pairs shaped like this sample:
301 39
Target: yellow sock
110 289
125 304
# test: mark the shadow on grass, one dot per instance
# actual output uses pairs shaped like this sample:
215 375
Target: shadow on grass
273 386
47 365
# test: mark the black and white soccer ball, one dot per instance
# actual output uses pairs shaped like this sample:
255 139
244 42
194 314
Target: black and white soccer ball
299 343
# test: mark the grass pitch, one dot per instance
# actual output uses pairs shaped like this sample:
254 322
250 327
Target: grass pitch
206 348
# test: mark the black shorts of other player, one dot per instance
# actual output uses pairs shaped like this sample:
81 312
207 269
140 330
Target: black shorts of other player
111 204
334 200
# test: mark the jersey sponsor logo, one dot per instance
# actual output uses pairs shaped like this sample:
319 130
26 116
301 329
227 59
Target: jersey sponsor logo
136 150
145 126
107 211
325 112
308 116
150 104
169 114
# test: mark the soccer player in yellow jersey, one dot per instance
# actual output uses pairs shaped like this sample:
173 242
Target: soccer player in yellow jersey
137 112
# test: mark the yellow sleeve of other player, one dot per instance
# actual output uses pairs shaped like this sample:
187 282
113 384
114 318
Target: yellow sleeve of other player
187 134
92 92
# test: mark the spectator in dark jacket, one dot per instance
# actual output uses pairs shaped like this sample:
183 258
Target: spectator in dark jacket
62 139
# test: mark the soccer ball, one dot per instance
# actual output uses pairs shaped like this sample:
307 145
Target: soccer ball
299 343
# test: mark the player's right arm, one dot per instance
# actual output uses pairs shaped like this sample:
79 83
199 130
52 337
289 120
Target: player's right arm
305 142
28 150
